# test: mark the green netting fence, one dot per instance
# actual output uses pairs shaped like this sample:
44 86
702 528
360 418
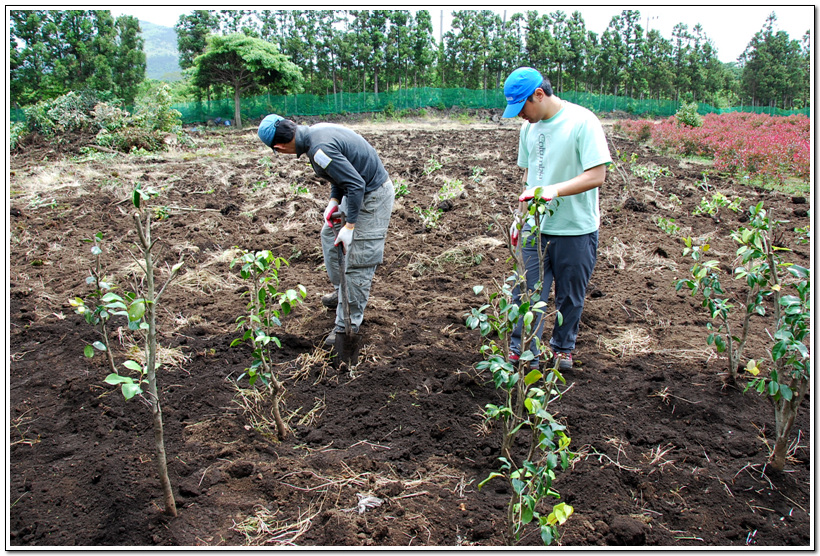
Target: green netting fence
254 108
257 107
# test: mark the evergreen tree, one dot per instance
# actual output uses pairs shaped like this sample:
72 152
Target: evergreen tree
192 31
422 50
53 52
129 67
773 67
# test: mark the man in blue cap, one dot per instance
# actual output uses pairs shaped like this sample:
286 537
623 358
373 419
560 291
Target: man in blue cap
360 188
564 154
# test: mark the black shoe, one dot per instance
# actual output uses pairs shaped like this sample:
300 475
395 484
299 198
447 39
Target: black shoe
331 338
330 300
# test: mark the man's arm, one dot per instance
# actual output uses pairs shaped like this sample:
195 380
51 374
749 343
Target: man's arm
345 181
588 179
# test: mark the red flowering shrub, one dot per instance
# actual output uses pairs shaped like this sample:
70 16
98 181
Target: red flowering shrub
751 145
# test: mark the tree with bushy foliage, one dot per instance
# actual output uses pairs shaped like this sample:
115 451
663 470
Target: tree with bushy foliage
423 50
129 63
246 65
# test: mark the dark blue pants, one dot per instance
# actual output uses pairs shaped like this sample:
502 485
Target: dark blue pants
568 262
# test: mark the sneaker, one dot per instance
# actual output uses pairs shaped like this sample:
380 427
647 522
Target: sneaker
562 361
330 300
514 357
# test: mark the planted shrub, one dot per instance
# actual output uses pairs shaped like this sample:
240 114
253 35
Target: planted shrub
102 304
687 115
761 269
261 270
527 393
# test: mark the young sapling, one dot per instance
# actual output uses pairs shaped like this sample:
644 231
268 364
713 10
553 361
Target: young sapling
147 311
261 269
760 269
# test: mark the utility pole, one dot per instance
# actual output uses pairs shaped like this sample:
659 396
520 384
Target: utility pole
648 19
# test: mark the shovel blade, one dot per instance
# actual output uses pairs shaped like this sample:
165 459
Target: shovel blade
347 348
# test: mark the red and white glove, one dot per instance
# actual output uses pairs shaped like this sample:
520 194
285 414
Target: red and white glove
515 229
345 237
332 208
547 192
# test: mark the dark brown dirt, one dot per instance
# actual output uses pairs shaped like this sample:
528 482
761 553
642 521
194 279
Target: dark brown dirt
669 456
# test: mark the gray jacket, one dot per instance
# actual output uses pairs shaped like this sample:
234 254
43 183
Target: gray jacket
345 159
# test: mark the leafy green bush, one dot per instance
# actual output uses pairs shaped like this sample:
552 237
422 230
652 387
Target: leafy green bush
688 115
16 131
389 111
66 113
115 128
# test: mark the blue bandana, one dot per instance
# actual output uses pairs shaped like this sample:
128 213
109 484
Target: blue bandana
267 128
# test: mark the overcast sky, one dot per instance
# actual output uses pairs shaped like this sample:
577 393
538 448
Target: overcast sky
729 27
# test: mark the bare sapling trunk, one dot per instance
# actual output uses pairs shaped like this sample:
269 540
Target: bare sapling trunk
151 299
275 384
237 116
785 410
278 391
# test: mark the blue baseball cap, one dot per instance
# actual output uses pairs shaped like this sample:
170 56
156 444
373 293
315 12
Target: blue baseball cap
267 128
518 87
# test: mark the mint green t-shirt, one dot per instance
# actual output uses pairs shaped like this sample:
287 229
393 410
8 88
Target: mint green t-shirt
560 149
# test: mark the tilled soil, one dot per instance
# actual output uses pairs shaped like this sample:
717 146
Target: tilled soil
669 455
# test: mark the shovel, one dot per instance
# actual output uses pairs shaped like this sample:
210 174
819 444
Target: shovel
347 344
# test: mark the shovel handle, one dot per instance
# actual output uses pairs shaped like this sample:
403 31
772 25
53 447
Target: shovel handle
342 279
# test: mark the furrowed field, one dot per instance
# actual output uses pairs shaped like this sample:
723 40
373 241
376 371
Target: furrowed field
668 453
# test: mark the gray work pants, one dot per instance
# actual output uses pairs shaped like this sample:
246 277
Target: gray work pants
365 254
568 262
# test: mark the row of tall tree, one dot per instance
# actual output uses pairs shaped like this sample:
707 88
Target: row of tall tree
52 52
379 50
376 50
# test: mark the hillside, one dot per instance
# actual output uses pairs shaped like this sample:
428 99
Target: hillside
161 53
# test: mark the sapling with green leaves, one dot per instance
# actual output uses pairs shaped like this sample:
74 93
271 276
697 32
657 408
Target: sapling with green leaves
527 393
265 308
713 206
431 165
756 271
789 355
141 314
147 245
650 173
761 268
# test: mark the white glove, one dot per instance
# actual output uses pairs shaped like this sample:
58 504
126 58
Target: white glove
345 237
548 193
332 207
